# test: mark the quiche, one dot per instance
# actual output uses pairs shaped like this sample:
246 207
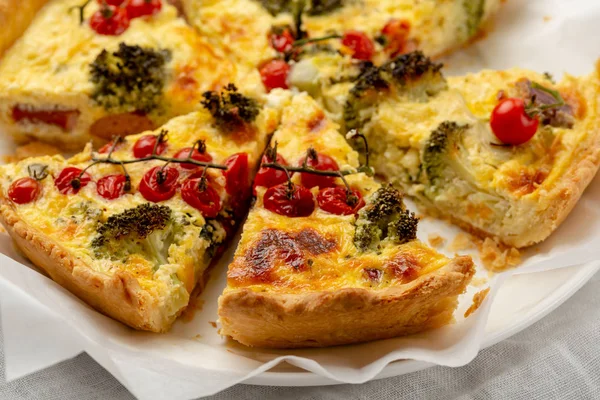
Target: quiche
93 71
312 43
327 255
132 228
505 154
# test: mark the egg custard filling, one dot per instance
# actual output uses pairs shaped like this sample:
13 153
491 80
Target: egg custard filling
327 255
503 153
132 227
68 80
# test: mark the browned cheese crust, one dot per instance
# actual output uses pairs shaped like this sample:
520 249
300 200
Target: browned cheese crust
264 319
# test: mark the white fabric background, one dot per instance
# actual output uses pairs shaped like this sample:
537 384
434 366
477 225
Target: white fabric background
556 358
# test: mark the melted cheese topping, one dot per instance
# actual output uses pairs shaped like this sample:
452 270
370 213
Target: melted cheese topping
49 68
72 220
317 252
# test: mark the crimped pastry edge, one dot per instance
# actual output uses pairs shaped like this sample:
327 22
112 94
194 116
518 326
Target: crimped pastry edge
344 316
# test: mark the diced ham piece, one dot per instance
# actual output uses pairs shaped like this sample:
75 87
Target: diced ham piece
65 119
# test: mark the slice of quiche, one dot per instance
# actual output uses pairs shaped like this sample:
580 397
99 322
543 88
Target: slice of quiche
303 43
15 23
331 257
505 154
87 70
131 228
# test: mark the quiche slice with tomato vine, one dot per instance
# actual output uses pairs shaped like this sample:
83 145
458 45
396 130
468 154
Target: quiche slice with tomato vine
132 227
327 255
300 43
505 154
90 70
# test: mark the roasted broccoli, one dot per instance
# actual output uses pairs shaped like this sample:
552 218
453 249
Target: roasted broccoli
230 108
474 13
146 230
413 76
384 216
312 7
319 7
129 79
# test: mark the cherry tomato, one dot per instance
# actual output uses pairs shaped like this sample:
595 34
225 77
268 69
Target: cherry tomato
282 41
196 155
299 203
140 8
69 182
206 199
396 33
236 175
323 163
274 74
269 177
24 190
109 20
145 145
334 200
111 2
159 184
362 47
511 124
106 148
111 186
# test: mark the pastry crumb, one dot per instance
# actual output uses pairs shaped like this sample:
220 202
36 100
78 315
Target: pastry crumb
213 324
497 256
462 241
436 240
547 18
477 300
197 337
479 281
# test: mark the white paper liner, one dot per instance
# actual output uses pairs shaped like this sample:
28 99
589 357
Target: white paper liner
43 323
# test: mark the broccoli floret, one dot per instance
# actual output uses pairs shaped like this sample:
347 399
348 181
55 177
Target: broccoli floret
130 79
443 156
312 7
276 6
319 7
230 109
384 217
146 230
413 76
474 13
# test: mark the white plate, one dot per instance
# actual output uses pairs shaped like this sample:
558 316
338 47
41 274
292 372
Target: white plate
518 305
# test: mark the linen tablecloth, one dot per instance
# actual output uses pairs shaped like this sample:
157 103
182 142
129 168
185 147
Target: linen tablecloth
556 358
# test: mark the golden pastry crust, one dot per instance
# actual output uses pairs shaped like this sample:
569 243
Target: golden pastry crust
118 296
350 315
15 17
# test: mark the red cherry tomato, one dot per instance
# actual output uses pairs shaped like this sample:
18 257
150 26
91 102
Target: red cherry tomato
274 74
140 8
236 175
282 41
323 163
111 2
24 190
396 33
109 20
334 200
362 47
196 155
157 185
66 182
269 177
206 199
145 145
106 148
111 186
299 203
511 124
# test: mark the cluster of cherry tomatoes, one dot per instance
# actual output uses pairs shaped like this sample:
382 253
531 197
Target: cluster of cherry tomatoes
274 73
114 16
157 184
292 200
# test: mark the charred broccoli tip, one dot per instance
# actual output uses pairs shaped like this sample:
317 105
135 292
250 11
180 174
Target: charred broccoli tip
230 108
